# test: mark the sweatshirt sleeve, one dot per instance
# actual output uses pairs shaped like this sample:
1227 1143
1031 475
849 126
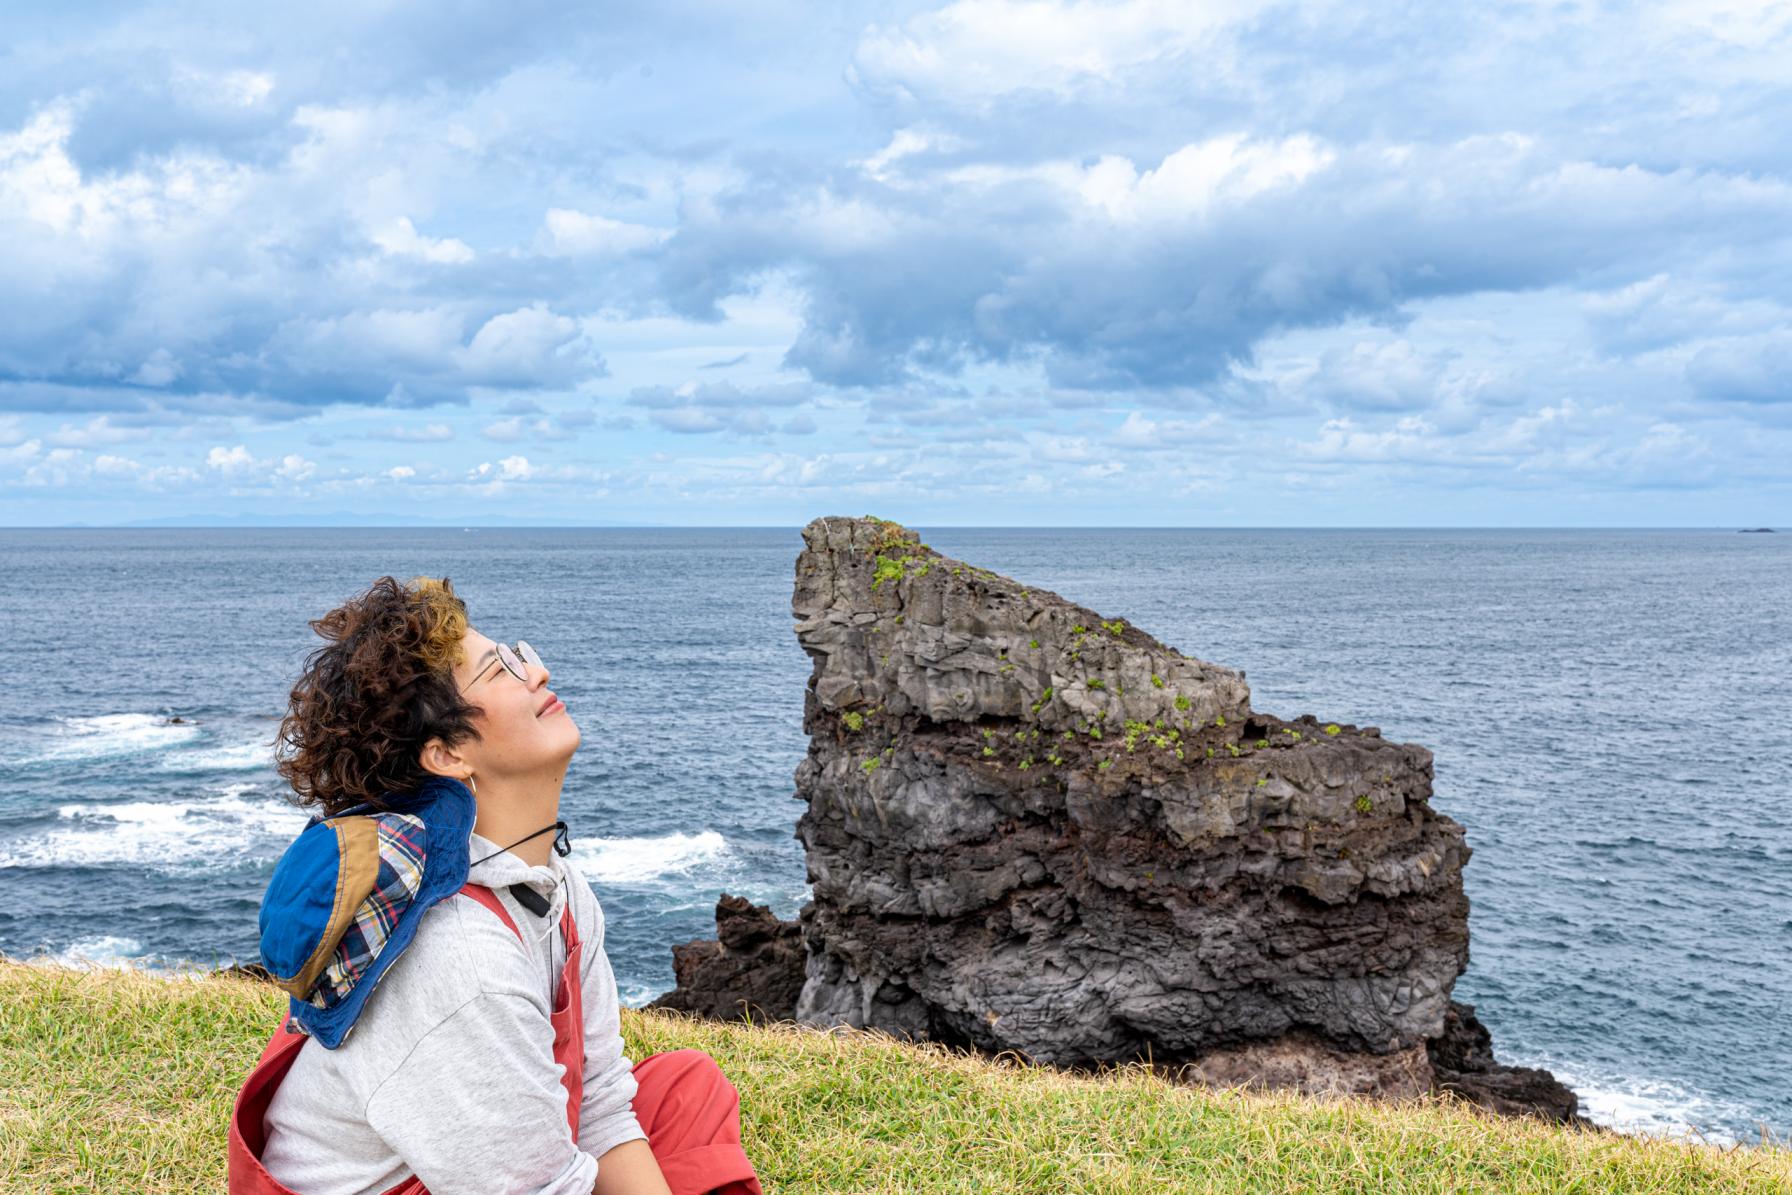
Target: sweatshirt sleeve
606 1113
441 1111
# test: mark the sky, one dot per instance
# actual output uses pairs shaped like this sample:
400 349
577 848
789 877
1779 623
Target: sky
990 262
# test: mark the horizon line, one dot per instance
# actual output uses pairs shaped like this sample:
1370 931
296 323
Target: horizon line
449 525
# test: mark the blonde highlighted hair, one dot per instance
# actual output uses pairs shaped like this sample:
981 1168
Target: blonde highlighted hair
443 619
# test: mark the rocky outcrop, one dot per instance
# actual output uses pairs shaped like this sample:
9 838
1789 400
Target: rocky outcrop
751 970
1032 828
1462 1062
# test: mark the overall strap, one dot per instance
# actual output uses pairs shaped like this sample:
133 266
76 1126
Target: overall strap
485 896
489 899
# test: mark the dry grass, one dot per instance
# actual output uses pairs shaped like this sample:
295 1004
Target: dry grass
121 1081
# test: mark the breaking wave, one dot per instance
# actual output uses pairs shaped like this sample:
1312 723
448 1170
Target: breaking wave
208 833
643 860
97 736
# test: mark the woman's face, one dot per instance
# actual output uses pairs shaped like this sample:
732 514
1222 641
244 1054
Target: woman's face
524 730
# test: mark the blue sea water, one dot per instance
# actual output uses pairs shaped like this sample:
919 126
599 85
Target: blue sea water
1610 711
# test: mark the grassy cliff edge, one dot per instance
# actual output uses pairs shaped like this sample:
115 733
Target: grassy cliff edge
115 1080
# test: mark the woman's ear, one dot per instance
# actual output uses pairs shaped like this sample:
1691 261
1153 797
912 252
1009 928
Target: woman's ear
438 757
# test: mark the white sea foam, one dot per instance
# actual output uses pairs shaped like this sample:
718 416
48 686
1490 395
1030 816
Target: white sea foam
643 860
107 951
1651 1107
237 757
634 995
113 952
98 736
216 831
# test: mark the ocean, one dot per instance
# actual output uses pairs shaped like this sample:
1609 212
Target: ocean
1611 714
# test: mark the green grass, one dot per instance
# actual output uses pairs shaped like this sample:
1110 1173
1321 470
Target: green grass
121 1081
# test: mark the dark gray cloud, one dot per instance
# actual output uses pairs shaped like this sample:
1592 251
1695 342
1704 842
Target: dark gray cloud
1164 273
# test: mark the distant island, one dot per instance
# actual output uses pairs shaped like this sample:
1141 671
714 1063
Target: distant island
1757 530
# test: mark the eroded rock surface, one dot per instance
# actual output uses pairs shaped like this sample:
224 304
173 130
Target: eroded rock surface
751 970
1462 1062
1033 828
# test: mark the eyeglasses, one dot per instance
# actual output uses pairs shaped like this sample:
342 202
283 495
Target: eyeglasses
517 662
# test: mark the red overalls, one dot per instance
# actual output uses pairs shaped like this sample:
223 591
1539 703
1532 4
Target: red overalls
686 1106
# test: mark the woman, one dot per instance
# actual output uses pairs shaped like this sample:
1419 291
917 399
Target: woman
453 1025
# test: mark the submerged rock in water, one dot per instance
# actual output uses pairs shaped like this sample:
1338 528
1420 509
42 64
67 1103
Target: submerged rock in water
1031 828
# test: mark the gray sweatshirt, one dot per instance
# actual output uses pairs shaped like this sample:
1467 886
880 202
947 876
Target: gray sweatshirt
450 1073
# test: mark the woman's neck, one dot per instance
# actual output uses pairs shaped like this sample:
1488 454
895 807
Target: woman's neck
507 812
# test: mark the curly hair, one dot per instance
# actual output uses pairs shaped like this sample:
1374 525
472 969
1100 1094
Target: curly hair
377 690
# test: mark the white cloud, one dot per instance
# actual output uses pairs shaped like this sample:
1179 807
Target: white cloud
1227 170
223 89
905 143
1748 369
71 467
493 478
294 467
230 460
528 346
57 467
96 431
1341 440
1747 24
239 463
430 433
975 50
21 453
165 200
693 420
570 233
1139 432
517 427
1528 433
1379 375
1061 449
401 472
696 408
400 238
156 478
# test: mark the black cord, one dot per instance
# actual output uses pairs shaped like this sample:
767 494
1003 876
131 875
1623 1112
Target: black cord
562 846
526 896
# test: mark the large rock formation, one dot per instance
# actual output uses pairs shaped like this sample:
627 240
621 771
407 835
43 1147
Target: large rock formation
1031 828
